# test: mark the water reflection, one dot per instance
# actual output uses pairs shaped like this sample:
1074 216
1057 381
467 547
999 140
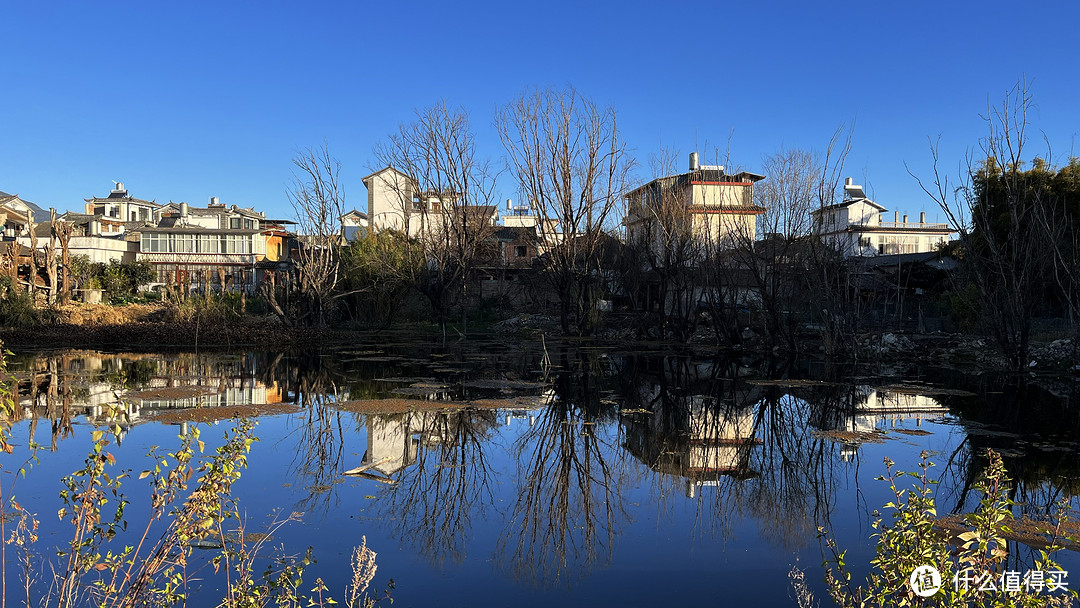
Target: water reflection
546 455
439 473
570 484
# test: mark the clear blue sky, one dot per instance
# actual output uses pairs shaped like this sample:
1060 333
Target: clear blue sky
187 100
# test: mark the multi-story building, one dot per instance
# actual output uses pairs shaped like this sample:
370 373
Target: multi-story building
190 244
856 227
395 202
17 214
116 212
714 206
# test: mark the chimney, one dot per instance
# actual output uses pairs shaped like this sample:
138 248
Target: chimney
905 218
693 161
183 210
922 217
509 204
896 216
213 201
848 181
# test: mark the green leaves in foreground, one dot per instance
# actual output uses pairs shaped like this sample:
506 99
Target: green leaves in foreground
968 556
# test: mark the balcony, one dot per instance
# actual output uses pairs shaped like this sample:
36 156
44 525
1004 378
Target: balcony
913 226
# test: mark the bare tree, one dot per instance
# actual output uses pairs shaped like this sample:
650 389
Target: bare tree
833 297
450 191
63 232
661 231
995 206
773 261
50 258
572 165
318 201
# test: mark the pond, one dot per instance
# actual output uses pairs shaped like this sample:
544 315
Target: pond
493 474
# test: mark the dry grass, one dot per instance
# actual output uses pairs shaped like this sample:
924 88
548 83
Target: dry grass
1035 533
363 567
104 314
401 406
852 436
915 432
211 414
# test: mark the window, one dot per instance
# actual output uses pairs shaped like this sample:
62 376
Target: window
520 251
234 223
249 224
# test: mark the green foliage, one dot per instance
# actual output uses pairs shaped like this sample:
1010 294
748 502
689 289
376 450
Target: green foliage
190 505
913 537
121 281
379 269
16 306
83 272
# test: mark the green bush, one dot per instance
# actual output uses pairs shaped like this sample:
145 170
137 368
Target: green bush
16 306
121 281
962 552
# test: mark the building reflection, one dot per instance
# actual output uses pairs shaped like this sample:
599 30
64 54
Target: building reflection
119 390
701 445
867 410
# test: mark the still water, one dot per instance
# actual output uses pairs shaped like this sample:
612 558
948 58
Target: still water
522 475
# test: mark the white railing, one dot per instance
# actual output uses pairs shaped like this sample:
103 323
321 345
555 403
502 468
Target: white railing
198 258
913 225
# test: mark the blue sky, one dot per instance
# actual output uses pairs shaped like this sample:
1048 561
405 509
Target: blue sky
184 101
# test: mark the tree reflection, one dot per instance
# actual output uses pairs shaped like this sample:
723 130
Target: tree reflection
441 476
734 447
569 485
320 434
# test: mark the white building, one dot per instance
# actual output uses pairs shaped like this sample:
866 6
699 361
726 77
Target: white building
391 204
857 227
715 206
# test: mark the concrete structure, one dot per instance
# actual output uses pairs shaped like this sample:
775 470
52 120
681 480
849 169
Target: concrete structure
716 206
395 202
856 227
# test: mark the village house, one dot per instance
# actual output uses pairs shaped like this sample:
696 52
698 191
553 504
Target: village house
856 226
119 210
354 225
717 207
17 214
395 202
193 245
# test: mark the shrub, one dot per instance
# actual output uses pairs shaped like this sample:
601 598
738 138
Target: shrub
967 554
16 306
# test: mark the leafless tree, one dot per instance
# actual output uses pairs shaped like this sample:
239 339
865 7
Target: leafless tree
571 164
63 232
995 207
661 231
450 191
773 258
318 202
50 258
